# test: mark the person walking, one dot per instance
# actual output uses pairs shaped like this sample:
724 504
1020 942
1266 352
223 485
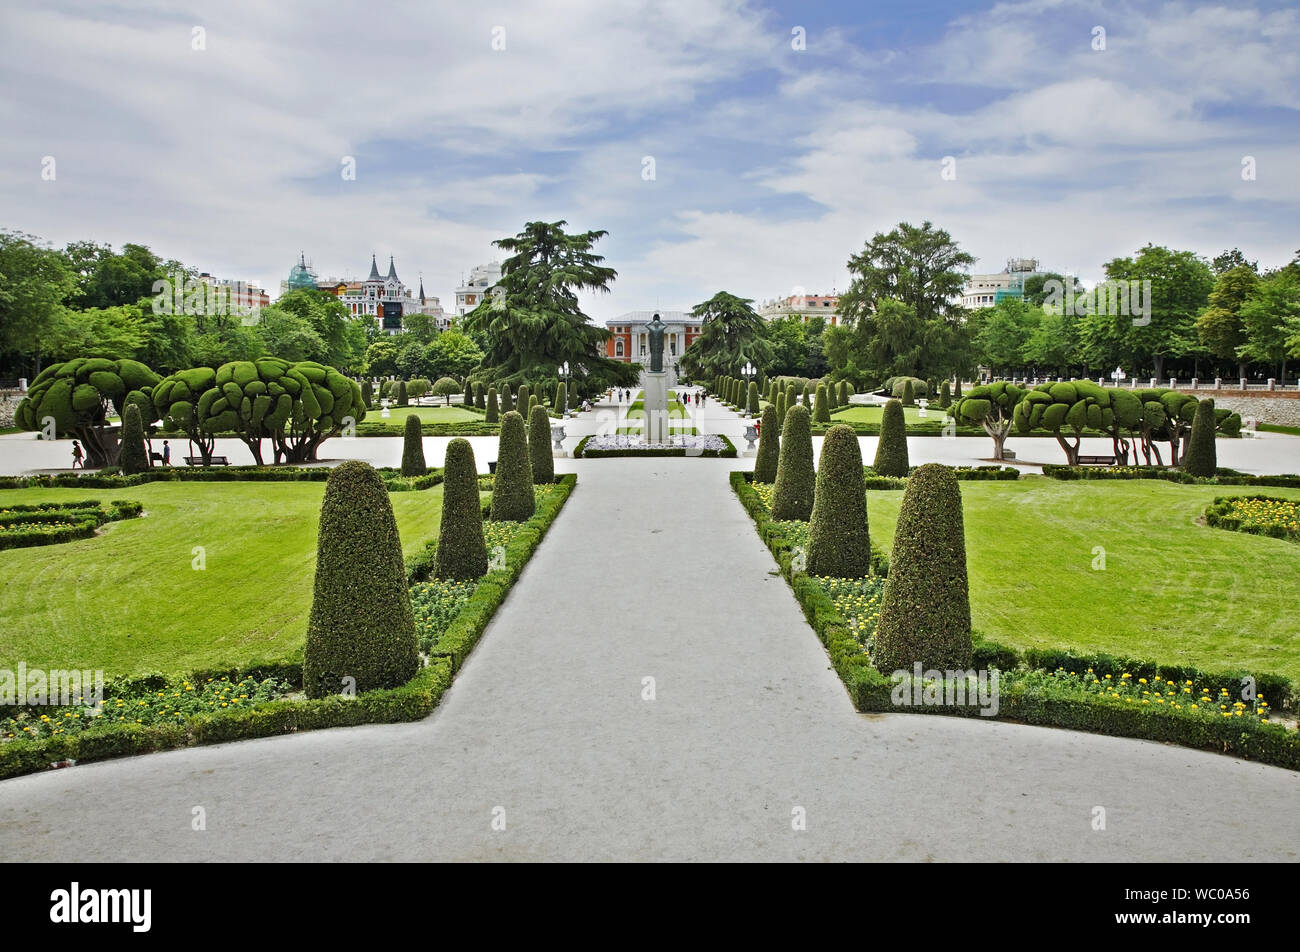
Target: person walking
167 453
77 456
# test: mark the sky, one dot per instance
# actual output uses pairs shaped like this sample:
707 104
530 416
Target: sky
724 145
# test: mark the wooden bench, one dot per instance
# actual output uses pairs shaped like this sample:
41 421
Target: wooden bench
198 461
1096 461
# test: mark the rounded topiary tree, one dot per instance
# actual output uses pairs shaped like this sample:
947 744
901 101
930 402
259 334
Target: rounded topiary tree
361 634
925 610
413 448
402 398
945 396
134 457
781 408
891 451
751 404
445 387
822 410
461 552
838 542
512 489
769 447
507 398
521 399
539 445
493 414
909 394
792 497
1202 455
367 392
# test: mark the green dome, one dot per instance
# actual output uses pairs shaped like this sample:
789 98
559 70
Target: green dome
300 276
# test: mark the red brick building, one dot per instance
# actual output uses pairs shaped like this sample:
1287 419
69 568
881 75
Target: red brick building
630 343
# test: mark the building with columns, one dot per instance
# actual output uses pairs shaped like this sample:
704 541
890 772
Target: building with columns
802 305
631 344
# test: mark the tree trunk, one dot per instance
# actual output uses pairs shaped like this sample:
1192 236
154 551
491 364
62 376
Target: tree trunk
999 435
1071 452
1159 361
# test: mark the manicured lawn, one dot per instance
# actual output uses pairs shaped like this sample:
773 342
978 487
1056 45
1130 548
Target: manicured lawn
451 414
856 414
128 600
1172 590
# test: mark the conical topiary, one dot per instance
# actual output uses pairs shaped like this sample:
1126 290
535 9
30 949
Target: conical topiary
521 399
512 490
469 393
832 394
367 392
909 395
532 402
808 391
844 393
413 448
134 458
838 542
751 404
493 414
402 398
507 399
769 447
822 410
562 399
792 497
461 552
539 445
956 391
925 610
1202 456
780 411
361 634
478 396
945 396
891 450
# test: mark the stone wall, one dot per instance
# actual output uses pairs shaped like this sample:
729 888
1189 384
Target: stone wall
1282 408
8 403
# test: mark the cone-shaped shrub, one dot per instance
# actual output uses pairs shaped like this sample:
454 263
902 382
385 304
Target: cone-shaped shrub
945 396
832 392
512 490
1202 456
539 445
361 624
808 395
402 399
844 393
507 399
532 402
478 396
751 405
367 392
413 448
469 393
822 410
135 459
909 397
562 398
769 447
780 411
891 451
493 414
792 497
521 399
838 543
956 393
771 392
461 552
925 610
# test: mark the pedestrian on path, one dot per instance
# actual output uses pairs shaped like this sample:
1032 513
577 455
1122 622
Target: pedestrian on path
77 458
167 454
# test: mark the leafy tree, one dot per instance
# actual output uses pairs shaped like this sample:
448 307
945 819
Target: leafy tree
34 283
991 406
361 633
452 354
731 333
445 387
789 346
176 399
1271 316
1004 331
1229 260
1036 289
1221 327
838 541
1062 408
462 551
925 609
80 394
381 358
108 279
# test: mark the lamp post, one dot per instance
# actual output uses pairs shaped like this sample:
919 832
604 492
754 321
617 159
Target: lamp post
1118 375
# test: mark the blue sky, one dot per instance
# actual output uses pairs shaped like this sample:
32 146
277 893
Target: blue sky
772 164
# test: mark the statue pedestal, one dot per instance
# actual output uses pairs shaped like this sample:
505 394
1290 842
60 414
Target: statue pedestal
656 406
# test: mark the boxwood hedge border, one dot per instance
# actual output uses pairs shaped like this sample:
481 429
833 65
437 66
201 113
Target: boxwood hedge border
872 691
581 452
410 702
1219 515
1224 477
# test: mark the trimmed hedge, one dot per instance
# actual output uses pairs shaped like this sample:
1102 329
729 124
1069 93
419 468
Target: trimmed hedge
581 451
822 410
134 458
82 518
461 552
769 447
539 445
795 487
891 451
781 408
872 691
1219 514
512 490
1202 457
413 463
839 544
1222 478
493 414
925 611
909 396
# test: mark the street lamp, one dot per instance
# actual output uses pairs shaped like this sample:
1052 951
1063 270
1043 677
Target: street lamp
1117 375
747 370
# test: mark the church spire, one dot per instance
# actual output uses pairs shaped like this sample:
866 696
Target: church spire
421 288
392 269
374 270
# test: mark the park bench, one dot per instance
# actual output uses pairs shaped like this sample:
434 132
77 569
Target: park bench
1096 461
198 461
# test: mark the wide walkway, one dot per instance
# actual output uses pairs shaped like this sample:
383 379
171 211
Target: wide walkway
654 571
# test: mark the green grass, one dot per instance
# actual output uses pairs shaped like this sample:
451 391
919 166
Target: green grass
452 414
1173 591
859 414
128 600
1278 428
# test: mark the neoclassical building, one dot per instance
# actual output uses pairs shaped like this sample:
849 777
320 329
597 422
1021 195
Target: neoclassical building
631 344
